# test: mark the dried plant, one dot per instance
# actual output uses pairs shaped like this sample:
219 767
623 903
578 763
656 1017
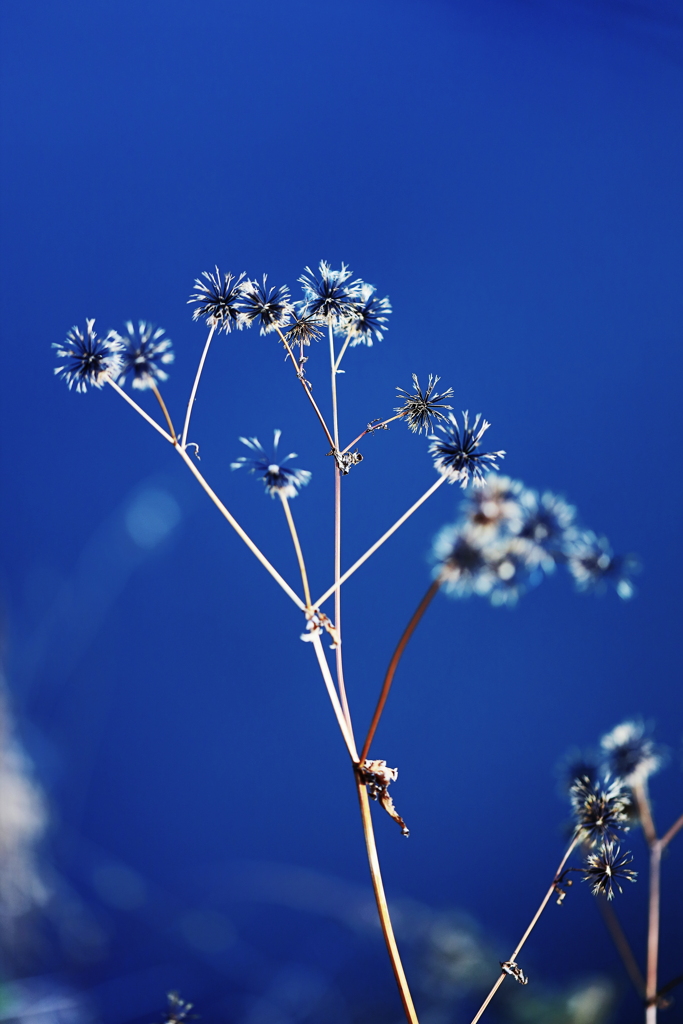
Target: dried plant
507 539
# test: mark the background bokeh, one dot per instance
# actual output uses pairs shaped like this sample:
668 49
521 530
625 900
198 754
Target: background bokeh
509 173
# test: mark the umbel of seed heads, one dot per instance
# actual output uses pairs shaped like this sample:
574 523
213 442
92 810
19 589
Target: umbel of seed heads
601 815
508 538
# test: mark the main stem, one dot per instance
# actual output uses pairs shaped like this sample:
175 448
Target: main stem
383 909
532 925
653 934
393 664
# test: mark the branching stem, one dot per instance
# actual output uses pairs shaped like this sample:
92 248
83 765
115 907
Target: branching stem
393 664
297 548
370 430
307 388
334 699
622 945
532 925
142 412
167 417
378 543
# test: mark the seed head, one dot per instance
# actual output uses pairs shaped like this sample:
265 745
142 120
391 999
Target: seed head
218 300
269 307
600 809
86 359
423 409
277 478
455 452
145 351
329 296
606 868
366 318
631 755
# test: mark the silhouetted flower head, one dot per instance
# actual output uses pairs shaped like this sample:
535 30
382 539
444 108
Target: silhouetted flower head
218 300
330 295
307 327
277 478
496 505
461 561
600 809
631 754
145 352
270 307
86 359
178 1010
606 868
423 409
455 452
366 317
548 521
593 565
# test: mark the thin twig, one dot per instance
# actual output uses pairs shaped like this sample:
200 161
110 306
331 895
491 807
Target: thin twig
334 699
381 900
297 547
343 349
378 543
193 393
337 596
167 415
529 930
307 388
370 430
142 412
393 664
238 529
670 985
622 945
668 836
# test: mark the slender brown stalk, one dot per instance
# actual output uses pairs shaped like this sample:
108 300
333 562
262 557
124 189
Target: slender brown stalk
645 812
297 548
653 934
393 664
622 944
378 543
337 595
344 728
532 925
668 836
157 395
383 909
307 388
193 393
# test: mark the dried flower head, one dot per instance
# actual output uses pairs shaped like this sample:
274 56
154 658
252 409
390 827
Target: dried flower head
631 754
593 565
513 566
307 327
218 300
606 868
178 1010
277 478
577 765
461 561
548 522
365 321
86 359
378 777
269 307
455 452
423 409
146 351
330 295
600 810
496 506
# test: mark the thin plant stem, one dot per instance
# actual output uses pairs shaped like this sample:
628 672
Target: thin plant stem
653 934
370 430
239 531
297 547
393 664
341 352
668 836
142 412
645 812
334 699
307 388
532 925
337 595
333 380
383 909
167 416
622 945
193 393
378 543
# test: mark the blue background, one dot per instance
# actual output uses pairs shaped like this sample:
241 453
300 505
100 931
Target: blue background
509 174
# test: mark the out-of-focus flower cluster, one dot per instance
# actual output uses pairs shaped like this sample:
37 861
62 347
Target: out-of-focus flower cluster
509 537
